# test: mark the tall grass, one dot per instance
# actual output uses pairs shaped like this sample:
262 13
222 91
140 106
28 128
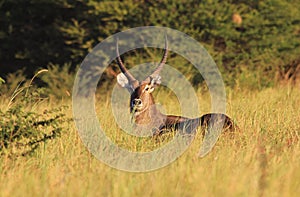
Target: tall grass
264 160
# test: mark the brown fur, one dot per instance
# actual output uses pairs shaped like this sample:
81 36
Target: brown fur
162 123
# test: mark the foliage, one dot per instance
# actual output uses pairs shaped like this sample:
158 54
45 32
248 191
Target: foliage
265 38
1 81
22 129
13 80
58 80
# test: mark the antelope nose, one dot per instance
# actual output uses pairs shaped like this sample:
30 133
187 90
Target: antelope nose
137 102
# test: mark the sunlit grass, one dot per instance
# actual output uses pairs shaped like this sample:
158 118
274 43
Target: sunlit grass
264 160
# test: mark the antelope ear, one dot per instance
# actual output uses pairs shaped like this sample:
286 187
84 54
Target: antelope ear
156 80
123 82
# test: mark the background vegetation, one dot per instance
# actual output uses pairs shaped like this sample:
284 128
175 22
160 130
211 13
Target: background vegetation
256 45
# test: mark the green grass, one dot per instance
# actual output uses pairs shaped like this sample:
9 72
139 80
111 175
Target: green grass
264 160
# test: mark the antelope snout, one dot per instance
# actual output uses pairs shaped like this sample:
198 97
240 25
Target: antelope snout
137 103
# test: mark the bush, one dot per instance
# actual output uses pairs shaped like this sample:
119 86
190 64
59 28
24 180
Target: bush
21 129
264 35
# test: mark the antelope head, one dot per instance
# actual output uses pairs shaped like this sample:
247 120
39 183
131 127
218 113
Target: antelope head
142 105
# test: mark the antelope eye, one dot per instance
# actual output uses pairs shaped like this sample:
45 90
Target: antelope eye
147 88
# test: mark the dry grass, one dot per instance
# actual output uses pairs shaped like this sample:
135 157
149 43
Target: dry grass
264 160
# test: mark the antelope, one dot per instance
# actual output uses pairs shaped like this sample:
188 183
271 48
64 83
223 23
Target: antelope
145 112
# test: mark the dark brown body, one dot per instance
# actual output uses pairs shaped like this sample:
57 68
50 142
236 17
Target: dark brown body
148 114
191 124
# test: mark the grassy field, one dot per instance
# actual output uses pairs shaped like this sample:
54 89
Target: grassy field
264 160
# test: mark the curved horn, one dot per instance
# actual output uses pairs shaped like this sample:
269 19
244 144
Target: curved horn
163 60
121 65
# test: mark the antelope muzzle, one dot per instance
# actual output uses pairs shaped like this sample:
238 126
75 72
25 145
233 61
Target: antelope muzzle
136 104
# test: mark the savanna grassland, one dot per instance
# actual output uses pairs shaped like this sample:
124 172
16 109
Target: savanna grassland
255 44
262 160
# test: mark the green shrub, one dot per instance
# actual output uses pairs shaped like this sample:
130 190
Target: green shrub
22 131
266 38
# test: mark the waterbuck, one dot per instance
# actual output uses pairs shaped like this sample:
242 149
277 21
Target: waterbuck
145 112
